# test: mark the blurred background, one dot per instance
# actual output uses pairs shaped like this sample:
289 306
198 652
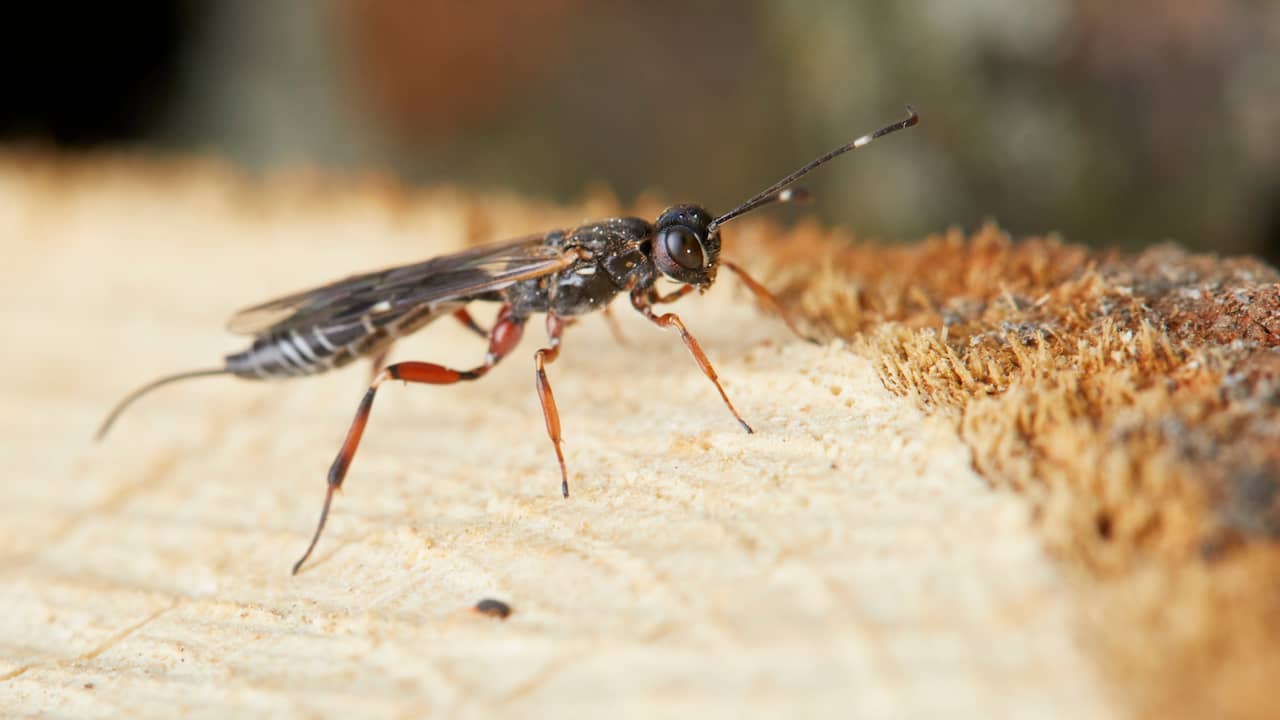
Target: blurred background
1112 123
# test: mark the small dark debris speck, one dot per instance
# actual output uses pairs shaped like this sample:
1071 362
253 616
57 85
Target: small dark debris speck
88 686
1103 523
493 608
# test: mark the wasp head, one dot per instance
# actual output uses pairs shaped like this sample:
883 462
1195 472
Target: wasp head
685 246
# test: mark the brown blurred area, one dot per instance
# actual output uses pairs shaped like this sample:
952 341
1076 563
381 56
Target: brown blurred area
1113 124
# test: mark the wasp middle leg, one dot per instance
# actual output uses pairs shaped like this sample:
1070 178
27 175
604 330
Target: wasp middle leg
555 328
503 338
614 329
464 317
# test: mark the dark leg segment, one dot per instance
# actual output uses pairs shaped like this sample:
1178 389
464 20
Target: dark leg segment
378 362
502 340
764 296
642 304
555 328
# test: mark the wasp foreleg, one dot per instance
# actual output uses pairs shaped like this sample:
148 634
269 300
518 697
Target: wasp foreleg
674 295
766 298
668 320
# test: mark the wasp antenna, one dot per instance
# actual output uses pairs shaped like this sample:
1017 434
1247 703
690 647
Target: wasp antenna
794 195
776 191
131 397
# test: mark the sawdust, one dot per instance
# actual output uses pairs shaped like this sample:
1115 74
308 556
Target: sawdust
1131 399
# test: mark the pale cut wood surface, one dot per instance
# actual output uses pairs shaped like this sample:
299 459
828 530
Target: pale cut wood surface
843 561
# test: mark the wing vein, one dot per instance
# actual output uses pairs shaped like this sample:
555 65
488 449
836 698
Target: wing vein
383 296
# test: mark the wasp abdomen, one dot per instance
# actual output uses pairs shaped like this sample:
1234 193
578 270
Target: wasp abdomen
307 351
303 352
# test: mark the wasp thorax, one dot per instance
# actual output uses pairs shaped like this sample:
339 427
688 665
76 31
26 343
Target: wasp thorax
683 247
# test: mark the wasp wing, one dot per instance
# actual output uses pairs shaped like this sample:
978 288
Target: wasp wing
394 291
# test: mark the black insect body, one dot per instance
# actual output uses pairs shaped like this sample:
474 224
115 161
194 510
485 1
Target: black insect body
561 274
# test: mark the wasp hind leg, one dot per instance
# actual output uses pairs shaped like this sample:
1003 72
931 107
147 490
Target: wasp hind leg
461 315
464 317
503 338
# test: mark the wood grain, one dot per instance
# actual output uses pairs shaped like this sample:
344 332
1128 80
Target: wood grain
843 561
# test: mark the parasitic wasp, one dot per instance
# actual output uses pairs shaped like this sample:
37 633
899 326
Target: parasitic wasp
561 274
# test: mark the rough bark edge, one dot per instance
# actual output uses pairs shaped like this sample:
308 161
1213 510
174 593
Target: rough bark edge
1131 399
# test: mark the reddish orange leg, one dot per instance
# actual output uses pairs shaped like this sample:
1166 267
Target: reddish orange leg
674 295
766 298
464 317
642 303
555 328
461 315
502 340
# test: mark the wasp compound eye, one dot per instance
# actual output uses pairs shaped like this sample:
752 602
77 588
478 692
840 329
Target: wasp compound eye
683 247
